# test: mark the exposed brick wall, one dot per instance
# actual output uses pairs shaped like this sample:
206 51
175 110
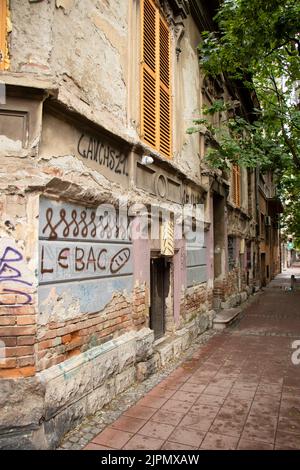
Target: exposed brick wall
60 341
30 347
18 335
196 300
225 288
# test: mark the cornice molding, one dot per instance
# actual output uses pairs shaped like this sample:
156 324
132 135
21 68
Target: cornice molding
203 13
179 7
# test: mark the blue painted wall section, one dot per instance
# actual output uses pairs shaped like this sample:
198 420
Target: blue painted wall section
83 260
196 266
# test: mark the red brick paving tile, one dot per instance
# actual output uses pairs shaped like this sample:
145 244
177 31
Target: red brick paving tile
167 417
170 384
290 399
258 431
290 391
209 370
227 427
197 421
177 406
245 386
129 424
280 447
92 446
267 400
141 412
178 378
198 380
175 446
292 382
287 440
190 364
245 444
187 436
182 395
192 387
214 400
290 408
261 406
156 430
236 394
139 442
215 390
182 370
268 389
262 420
219 442
290 425
255 372
272 380
241 402
112 438
231 373
205 410
161 392
228 373
204 373
236 411
222 382
152 401
245 377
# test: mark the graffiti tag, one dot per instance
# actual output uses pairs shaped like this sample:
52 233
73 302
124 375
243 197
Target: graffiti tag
95 150
9 264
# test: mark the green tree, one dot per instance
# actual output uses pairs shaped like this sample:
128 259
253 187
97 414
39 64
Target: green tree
257 44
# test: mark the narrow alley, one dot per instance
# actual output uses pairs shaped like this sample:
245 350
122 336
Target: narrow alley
239 391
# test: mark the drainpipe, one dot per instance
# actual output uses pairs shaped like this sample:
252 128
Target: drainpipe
257 172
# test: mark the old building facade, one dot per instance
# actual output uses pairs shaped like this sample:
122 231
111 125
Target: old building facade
97 288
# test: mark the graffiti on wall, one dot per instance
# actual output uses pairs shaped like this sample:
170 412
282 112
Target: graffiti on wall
12 278
97 151
81 223
61 260
82 258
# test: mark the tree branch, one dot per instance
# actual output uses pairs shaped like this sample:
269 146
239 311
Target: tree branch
287 140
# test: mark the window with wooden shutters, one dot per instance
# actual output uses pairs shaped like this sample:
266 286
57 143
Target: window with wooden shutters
155 75
3 14
236 185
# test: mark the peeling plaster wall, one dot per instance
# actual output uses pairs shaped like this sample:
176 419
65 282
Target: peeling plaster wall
31 39
82 45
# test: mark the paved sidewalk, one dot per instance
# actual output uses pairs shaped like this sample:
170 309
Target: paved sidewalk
239 391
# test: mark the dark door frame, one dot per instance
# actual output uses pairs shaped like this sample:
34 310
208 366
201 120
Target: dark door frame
159 269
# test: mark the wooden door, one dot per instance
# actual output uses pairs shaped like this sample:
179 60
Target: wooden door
157 309
263 269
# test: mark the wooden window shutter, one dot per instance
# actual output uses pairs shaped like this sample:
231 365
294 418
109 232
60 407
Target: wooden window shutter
236 185
149 71
155 74
3 14
164 90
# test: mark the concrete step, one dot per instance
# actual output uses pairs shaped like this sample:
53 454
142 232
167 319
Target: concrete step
226 317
